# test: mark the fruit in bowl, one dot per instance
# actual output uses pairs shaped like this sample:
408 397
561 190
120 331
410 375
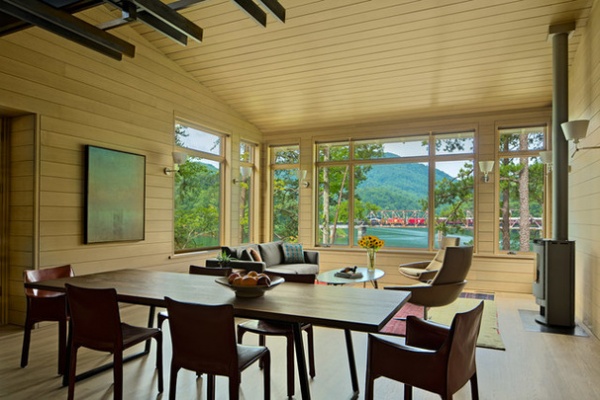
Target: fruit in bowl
251 284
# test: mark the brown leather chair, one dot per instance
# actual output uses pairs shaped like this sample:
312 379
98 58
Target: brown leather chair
447 284
203 338
44 305
426 270
96 324
275 328
435 358
195 270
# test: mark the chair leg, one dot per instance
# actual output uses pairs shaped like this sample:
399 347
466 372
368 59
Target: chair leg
159 363
118 375
62 346
173 382
474 387
369 383
311 352
407 392
290 364
210 387
267 374
234 387
72 373
26 342
262 340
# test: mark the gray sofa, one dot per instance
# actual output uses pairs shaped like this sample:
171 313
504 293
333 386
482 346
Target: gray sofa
272 260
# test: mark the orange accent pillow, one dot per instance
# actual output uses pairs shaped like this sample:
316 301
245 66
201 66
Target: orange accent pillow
255 255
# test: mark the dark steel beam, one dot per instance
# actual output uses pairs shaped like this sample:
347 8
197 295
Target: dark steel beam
253 11
60 22
170 17
275 8
59 30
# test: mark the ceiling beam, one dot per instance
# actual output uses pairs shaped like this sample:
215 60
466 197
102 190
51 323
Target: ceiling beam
160 10
275 8
33 19
10 24
253 11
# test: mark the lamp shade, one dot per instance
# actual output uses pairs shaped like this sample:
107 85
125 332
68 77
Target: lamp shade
179 157
486 166
575 130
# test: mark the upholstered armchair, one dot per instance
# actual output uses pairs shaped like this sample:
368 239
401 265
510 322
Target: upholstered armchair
426 270
447 284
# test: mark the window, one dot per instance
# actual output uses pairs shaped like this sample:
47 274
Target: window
521 201
246 184
285 169
198 189
381 187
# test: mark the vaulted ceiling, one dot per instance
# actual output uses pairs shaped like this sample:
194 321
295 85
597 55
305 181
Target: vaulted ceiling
340 62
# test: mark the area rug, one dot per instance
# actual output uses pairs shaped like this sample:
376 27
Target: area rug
489 334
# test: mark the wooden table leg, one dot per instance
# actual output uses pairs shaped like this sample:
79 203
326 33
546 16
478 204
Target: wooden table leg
301 359
352 363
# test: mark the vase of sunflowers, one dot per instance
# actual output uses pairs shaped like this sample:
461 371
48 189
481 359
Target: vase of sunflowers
372 244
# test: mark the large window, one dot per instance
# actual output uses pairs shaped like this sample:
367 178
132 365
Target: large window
390 187
246 183
521 201
285 170
198 184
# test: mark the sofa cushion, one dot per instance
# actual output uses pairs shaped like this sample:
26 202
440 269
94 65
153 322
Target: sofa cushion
293 253
271 253
303 268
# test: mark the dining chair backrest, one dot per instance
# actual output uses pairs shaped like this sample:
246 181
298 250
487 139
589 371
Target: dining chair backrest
212 271
45 274
203 337
95 317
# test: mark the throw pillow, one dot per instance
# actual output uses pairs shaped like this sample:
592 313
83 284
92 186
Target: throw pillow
293 253
254 254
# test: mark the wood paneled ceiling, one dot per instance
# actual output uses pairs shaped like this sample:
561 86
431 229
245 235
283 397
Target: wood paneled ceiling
346 62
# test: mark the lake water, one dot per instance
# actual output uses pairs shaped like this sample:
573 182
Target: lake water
404 237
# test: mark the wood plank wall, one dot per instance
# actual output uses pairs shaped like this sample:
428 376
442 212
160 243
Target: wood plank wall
80 97
584 178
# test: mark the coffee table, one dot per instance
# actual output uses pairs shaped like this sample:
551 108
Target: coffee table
329 277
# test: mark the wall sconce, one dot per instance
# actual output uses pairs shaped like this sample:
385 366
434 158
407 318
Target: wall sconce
486 167
302 178
576 130
546 157
179 157
245 173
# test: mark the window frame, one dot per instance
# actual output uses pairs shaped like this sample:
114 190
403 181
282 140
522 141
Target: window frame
221 159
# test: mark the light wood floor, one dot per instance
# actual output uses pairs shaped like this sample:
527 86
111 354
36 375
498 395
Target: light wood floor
534 366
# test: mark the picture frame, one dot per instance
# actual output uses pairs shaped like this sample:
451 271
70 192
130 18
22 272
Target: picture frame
115 196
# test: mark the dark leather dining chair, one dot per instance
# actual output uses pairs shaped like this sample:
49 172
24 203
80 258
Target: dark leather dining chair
203 339
44 305
434 358
96 324
275 328
196 270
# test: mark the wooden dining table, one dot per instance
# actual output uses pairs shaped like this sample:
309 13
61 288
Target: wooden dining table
341 307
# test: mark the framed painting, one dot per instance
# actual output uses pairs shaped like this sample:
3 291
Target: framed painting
115 196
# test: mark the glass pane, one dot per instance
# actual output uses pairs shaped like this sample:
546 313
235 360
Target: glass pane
197 204
390 202
285 204
522 139
333 151
453 198
246 152
286 154
521 202
192 138
245 184
391 148
333 205
455 143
